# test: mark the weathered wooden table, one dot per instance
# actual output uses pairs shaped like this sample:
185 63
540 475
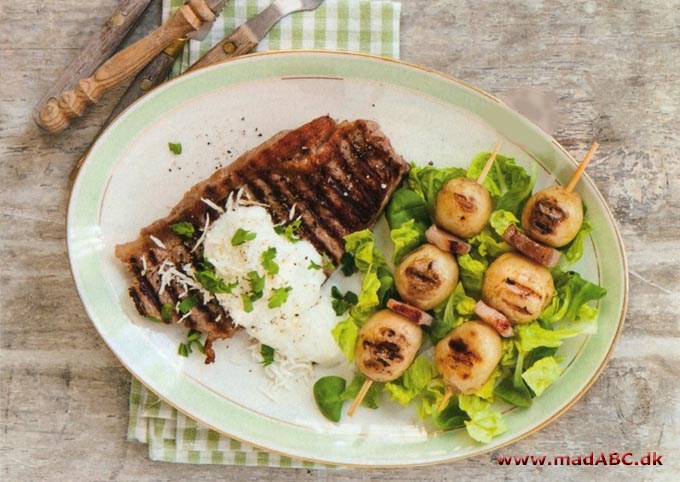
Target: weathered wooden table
615 69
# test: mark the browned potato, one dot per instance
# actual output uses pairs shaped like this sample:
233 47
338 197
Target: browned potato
387 345
426 276
517 287
463 207
553 216
468 355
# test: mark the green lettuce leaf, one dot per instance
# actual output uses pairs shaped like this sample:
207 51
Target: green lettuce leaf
361 245
500 220
572 293
508 183
430 397
387 288
414 380
369 301
573 251
485 421
541 374
489 244
512 388
458 308
345 335
407 205
406 237
509 357
452 416
328 396
427 181
472 273
532 335
486 392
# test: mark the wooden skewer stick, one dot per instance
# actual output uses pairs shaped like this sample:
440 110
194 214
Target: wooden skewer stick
360 397
582 167
489 162
445 401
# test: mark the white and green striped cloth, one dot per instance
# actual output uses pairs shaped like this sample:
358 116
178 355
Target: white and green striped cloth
367 26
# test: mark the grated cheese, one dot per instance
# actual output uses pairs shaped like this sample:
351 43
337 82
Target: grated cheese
212 205
157 241
205 230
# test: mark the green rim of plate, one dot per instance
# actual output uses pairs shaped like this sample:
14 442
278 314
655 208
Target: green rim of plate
197 401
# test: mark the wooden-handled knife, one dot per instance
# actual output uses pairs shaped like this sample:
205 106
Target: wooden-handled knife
99 48
241 41
193 19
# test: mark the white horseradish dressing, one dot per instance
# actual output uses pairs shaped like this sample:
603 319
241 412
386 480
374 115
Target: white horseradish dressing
300 329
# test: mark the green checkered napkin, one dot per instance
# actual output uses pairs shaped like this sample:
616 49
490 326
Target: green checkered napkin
349 25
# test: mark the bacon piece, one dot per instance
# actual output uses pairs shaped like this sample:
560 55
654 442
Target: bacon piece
446 241
494 318
540 253
416 315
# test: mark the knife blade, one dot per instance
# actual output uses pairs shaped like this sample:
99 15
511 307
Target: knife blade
246 36
187 20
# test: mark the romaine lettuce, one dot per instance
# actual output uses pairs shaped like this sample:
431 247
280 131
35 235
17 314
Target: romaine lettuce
414 380
541 374
485 421
509 184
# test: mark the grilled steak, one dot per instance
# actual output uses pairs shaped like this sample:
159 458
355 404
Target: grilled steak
337 177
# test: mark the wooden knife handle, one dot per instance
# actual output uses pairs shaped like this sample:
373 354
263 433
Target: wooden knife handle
55 116
152 75
99 48
240 42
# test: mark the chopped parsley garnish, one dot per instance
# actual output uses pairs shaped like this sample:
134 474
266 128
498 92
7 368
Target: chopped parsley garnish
328 264
193 338
349 267
175 147
289 231
187 303
342 303
268 262
208 278
155 319
267 353
256 285
279 297
166 312
247 303
313 265
184 228
241 236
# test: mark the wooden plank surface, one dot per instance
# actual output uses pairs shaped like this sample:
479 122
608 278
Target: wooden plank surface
613 67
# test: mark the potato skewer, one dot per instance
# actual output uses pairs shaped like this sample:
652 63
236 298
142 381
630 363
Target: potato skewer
387 345
553 216
466 357
463 205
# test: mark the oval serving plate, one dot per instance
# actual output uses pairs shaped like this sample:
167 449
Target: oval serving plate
131 178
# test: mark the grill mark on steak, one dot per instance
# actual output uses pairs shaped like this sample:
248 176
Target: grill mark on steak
320 235
332 195
311 200
343 181
357 180
313 167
